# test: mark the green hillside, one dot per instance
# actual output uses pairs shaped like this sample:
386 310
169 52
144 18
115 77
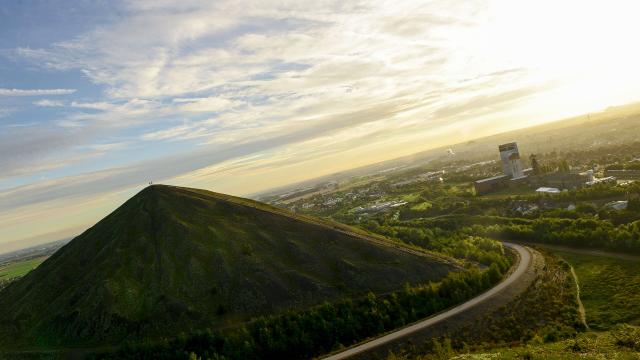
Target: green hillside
610 288
171 260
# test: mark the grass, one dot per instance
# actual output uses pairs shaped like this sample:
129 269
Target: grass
20 268
616 344
610 289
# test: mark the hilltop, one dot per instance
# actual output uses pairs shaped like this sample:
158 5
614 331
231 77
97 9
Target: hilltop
172 259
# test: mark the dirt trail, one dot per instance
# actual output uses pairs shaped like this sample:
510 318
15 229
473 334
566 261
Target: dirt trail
581 310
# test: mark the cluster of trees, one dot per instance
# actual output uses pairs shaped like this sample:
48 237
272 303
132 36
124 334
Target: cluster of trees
609 230
635 165
602 191
550 166
589 233
591 156
457 244
322 329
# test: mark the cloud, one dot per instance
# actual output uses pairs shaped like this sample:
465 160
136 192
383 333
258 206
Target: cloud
28 149
263 85
207 104
92 105
48 103
176 133
35 92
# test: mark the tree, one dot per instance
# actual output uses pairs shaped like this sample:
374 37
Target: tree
534 164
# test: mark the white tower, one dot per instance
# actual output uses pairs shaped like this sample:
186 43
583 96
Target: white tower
511 163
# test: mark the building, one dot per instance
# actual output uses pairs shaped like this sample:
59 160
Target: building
590 176
548 190
485 186
611 180
560 179
511 163
512 168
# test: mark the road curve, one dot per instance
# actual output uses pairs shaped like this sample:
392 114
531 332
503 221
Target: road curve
523 265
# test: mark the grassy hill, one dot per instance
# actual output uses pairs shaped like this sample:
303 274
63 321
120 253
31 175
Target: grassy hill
172 259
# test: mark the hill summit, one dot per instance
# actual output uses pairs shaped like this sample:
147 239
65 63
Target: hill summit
174 259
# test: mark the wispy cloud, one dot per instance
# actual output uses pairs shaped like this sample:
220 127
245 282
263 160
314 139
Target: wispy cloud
48 103
35 92
93 105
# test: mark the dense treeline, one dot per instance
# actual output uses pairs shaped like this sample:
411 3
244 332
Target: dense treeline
585 227
591 233
321 329
587 232
452 243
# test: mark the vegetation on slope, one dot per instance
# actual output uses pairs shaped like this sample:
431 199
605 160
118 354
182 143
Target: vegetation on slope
609 289
622 343
547 311
584 233
175 259
307 334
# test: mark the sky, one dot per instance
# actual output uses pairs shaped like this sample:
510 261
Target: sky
97 98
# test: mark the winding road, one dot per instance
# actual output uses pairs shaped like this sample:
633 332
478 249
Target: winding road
523 264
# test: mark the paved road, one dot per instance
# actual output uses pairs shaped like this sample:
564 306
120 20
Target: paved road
523 265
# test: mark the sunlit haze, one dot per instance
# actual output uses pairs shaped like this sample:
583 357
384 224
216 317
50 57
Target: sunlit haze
99 98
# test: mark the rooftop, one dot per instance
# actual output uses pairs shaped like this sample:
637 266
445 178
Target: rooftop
494 178
548 190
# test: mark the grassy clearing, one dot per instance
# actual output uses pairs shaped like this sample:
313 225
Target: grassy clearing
610 289
19 269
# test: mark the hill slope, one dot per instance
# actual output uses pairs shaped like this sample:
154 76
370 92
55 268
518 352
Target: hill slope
171 259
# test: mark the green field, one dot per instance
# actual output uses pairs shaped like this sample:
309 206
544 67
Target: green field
19 269
610 289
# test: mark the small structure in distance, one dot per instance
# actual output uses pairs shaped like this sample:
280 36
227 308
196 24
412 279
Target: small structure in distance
548 190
